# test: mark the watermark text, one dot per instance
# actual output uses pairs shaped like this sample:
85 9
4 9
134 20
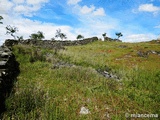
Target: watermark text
137 115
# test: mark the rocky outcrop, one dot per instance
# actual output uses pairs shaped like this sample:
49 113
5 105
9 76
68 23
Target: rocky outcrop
147 53
142 54
108 74
9 70
10 42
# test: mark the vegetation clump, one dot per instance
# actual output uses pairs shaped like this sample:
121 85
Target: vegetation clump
37 36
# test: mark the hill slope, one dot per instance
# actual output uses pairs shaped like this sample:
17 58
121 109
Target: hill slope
58 85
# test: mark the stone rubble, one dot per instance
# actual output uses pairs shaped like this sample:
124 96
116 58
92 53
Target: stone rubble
147 53
107 74
61 65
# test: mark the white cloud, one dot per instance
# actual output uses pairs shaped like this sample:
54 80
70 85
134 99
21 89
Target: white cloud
91 25
73 2
92 10
148 8
26 10
158 26
86 10
5 6
93 21
12 11
18 1
99 12
139 37
26 27
95 26
35 2
20 8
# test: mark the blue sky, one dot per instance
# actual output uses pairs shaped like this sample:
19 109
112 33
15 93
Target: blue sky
138 20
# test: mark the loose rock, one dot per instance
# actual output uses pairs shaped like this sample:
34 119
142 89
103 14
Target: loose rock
84 111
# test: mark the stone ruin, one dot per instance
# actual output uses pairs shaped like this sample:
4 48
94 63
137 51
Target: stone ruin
110 39
50 43
9 70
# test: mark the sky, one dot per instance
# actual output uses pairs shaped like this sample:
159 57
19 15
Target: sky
137 20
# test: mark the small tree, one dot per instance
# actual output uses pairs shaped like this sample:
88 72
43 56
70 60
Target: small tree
119 35
104 35
60 34
63 36
40 35
1 19
11 31
34 36
80 37
37 36
20 38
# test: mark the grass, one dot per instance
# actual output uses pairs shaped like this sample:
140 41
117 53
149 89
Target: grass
50 94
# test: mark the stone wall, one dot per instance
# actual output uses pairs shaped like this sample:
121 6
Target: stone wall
110 39
50 43
9 70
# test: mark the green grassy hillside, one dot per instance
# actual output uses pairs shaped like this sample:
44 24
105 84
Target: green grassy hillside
47 93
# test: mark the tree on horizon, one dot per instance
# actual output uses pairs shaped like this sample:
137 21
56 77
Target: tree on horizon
80 37
37 36
60 34
11 30
119 34
20 38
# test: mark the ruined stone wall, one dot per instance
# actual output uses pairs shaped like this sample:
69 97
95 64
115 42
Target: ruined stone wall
110 39
9 70
50 43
